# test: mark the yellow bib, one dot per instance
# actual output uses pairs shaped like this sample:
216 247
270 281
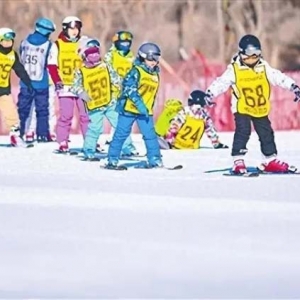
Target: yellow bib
190 134
147 88
122 65
252 89
6 63
68 61
171 109
96 83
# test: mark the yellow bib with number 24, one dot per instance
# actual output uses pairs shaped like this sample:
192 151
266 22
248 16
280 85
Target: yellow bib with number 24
190 134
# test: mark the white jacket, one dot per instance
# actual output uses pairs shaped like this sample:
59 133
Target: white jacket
227 79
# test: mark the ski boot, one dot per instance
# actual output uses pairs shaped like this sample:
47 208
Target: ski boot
155 162
276 166
129 151
113 165
239 167
63 147
16 140
29 137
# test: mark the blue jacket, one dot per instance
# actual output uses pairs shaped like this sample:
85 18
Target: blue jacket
38 39
130 88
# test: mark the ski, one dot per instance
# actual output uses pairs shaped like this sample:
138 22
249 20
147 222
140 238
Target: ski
114 168
140 165
91 159
255 170
246 175
24 146
72 153
177 167
147 167
288 173
29 145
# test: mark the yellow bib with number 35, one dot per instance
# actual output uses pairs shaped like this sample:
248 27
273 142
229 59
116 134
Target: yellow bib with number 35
68 61
252 89
147 88
190 134
96 83
6 63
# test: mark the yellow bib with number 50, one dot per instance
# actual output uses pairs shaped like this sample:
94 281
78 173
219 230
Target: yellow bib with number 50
190 134
68 61
96 83
252 89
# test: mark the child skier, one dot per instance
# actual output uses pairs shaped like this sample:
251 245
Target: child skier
34 51
136 103
30 127
119 60
250 76
92 83
186 128
62 62
9 60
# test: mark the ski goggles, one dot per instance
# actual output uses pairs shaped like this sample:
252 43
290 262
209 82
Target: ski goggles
8 36
249 57
74 24
251 51
123 36
153 57
93 43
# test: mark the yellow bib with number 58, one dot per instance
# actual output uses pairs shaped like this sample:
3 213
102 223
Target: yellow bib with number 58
190 134
96 83
68 61
252 89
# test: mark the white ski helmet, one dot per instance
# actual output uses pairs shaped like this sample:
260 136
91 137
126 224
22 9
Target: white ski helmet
71 22
7 34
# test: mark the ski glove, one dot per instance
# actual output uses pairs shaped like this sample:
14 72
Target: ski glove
220 146
296 90
209 99
84 96
59 86
141 107
31 90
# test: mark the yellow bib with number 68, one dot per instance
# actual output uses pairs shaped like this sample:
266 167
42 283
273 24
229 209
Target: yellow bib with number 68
252 89
190 134
96 83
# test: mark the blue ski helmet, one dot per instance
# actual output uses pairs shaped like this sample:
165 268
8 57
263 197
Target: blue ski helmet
44 26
